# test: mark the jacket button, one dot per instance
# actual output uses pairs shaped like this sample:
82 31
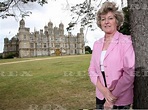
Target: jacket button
105 66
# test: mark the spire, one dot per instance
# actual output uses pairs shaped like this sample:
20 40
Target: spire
61 26
22 23
50 24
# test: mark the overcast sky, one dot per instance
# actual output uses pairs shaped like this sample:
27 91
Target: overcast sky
55 11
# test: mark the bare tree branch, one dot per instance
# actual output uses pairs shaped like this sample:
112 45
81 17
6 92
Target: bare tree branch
7 7
85 13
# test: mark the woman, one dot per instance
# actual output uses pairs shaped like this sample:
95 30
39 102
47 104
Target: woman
112 64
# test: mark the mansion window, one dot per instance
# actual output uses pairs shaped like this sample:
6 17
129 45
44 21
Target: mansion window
31 38
25 45
52 45
44 45
32 46
71 51
56 45
24 37
39 45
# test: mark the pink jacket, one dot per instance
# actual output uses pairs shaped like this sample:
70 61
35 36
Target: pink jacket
119 65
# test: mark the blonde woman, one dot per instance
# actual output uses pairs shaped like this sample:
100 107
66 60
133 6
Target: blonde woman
112 64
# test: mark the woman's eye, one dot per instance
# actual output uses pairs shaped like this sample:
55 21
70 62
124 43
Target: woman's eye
102 19
110 18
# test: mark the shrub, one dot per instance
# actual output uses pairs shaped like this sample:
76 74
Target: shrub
10 55
87 52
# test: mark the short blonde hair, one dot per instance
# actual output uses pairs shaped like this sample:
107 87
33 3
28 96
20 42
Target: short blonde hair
110 7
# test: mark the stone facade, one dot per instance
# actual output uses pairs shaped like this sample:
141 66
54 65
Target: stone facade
49 42
11 47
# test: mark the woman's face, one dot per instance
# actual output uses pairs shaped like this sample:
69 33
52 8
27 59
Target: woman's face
108 23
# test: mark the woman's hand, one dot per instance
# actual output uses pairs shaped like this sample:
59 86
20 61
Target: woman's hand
110 99
108 95
108 105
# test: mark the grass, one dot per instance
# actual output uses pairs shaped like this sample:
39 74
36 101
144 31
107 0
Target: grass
22 59
12 60
47 84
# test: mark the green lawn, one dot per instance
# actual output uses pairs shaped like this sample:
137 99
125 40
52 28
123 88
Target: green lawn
47 84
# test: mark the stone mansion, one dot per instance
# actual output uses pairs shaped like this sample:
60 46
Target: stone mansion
50 42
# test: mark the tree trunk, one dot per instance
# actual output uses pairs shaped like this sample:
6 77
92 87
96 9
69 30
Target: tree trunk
139 32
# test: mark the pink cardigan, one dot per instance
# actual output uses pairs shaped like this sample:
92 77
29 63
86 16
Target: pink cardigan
119 65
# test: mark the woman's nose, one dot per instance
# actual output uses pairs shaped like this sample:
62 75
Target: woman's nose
106 20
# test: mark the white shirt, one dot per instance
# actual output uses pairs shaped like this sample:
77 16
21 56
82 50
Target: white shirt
102 59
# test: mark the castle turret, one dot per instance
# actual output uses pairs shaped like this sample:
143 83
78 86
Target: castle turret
61 29
6 42
81 30
45 28
50 25
50 28
24 40
56 32
80 42
22 23
61 26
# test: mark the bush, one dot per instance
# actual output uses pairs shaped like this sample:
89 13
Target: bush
88 49
10 55
87 52
1 56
